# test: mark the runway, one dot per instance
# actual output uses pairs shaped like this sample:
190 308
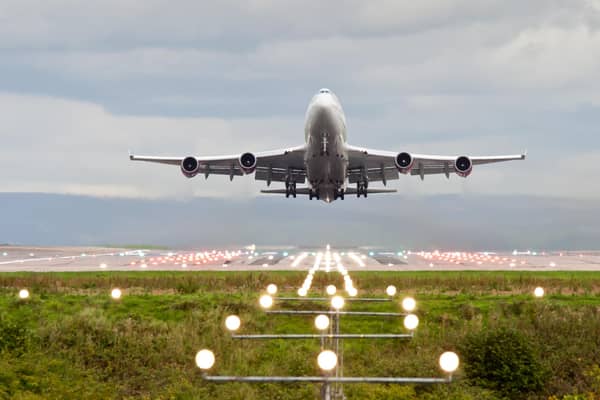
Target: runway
280 258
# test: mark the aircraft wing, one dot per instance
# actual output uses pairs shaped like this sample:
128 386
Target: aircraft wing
271 166
380 165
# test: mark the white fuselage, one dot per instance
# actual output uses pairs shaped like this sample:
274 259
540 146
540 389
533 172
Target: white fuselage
326 156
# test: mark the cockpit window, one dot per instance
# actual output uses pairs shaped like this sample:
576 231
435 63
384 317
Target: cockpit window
324 91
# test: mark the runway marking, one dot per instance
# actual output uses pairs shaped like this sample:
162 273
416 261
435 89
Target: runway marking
299 259
357 259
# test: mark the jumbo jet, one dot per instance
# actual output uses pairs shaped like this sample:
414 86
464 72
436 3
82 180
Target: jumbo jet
329 166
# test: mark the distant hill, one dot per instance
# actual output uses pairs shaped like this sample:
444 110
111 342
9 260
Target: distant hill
444 221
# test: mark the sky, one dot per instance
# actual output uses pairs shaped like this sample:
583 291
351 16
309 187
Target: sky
82 83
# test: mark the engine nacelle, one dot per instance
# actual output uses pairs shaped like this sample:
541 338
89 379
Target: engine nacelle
404 162
190 167
247 162
463 166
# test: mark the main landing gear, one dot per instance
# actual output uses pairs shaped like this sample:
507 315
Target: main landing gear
339 194
313 193
290 189
361 188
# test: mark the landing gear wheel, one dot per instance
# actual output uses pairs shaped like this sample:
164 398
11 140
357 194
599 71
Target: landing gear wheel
361 189
290 189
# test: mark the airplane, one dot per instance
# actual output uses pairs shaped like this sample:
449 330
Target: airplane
326 161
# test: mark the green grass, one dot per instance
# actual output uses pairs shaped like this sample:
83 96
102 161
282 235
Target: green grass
70 340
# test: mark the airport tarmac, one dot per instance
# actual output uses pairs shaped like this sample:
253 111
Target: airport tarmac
64 259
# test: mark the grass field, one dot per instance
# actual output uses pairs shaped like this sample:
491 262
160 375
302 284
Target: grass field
71 340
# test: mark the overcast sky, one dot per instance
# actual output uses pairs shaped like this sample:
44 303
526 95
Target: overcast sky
81 83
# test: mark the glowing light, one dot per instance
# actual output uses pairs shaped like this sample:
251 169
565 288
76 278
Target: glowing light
409 304
391 290
411 321
331 289
116 293
352 292
272 289
266 301
337 302
232 323
539 292
103 266
302 292
449 362
205 359
327 360
322 322
23 294
184 265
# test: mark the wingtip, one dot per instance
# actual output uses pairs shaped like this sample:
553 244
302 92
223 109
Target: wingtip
524 155
130 155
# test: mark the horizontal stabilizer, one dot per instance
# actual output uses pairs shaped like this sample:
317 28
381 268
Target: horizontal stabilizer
348 191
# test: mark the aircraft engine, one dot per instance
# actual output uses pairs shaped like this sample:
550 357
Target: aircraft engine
247 162
463 166
190 167
404 162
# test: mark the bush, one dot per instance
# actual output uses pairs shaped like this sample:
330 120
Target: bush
502 360
13 336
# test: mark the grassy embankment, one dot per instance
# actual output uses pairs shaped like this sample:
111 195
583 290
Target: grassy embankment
70 340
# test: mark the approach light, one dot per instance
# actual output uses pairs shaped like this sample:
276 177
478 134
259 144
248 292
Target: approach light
391 290
184 265
411 321
449 362
205 359
302 292
266 301
116 293
331 289
232 323
322 322
409 304
352 292
103 266
272 289
337 302
23 294
327 360
539 292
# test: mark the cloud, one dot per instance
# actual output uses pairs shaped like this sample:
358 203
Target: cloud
80 84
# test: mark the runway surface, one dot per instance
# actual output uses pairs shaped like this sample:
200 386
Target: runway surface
57 259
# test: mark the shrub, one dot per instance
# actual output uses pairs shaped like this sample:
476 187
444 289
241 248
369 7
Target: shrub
13 336
502 360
